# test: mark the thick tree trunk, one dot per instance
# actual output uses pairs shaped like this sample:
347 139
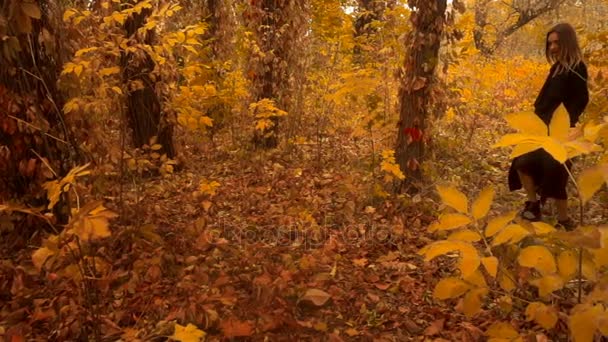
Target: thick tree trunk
415 97
368 11
33 136
279 26
144 110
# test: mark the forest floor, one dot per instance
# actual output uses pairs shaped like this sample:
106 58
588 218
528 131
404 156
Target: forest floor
295 245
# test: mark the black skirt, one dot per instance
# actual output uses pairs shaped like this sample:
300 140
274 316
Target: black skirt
547 173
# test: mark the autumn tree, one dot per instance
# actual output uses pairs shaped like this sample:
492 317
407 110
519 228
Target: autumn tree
368 13
35 143
278 28
415 93
504 19
144 108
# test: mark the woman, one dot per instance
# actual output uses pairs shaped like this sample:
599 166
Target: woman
566 84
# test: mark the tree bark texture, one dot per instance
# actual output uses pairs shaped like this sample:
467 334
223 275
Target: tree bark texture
35 144
144 109
415 96
279 27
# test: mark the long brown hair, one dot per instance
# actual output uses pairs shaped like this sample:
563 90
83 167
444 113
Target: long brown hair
569 54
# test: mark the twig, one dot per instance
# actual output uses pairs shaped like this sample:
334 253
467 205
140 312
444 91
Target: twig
36 128
581 222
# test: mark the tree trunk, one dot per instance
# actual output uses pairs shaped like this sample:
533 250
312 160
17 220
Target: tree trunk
144 110
279 26
415 96
368 11
35 143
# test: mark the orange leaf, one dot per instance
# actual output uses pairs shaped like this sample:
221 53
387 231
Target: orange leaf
235 328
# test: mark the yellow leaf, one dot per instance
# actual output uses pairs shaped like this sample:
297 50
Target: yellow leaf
545 316
498 223
205 121
512 139
482 204
469 261
525 147
583 323
491 265
589 270
505 280
477 279
541 228
450 288
560 124
513 233
590 181
465 235
547 284
78 69
68 14
181 37
527 123
538 257
450 221
40 256
454 198
156 147
191 49
472 301
567 263
502 330
555 149
93 225
189 333
117 90
109 71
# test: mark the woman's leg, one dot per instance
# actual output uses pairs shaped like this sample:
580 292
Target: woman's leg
528 184
562 209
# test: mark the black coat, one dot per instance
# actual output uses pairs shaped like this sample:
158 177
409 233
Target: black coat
570 88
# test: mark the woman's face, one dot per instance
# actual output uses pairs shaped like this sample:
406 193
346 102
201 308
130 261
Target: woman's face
553 43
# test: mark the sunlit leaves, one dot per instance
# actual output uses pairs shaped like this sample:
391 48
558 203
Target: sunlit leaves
92 222
389 164
545 316
528 123
547 284
502 331
491 265
450 221
591 180
567 263
496 224
469 257
188 333
538 257
513 233
557 139
453 198
450 287
583 322
482 204
56 187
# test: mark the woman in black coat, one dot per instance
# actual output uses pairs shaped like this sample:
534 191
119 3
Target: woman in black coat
566 84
